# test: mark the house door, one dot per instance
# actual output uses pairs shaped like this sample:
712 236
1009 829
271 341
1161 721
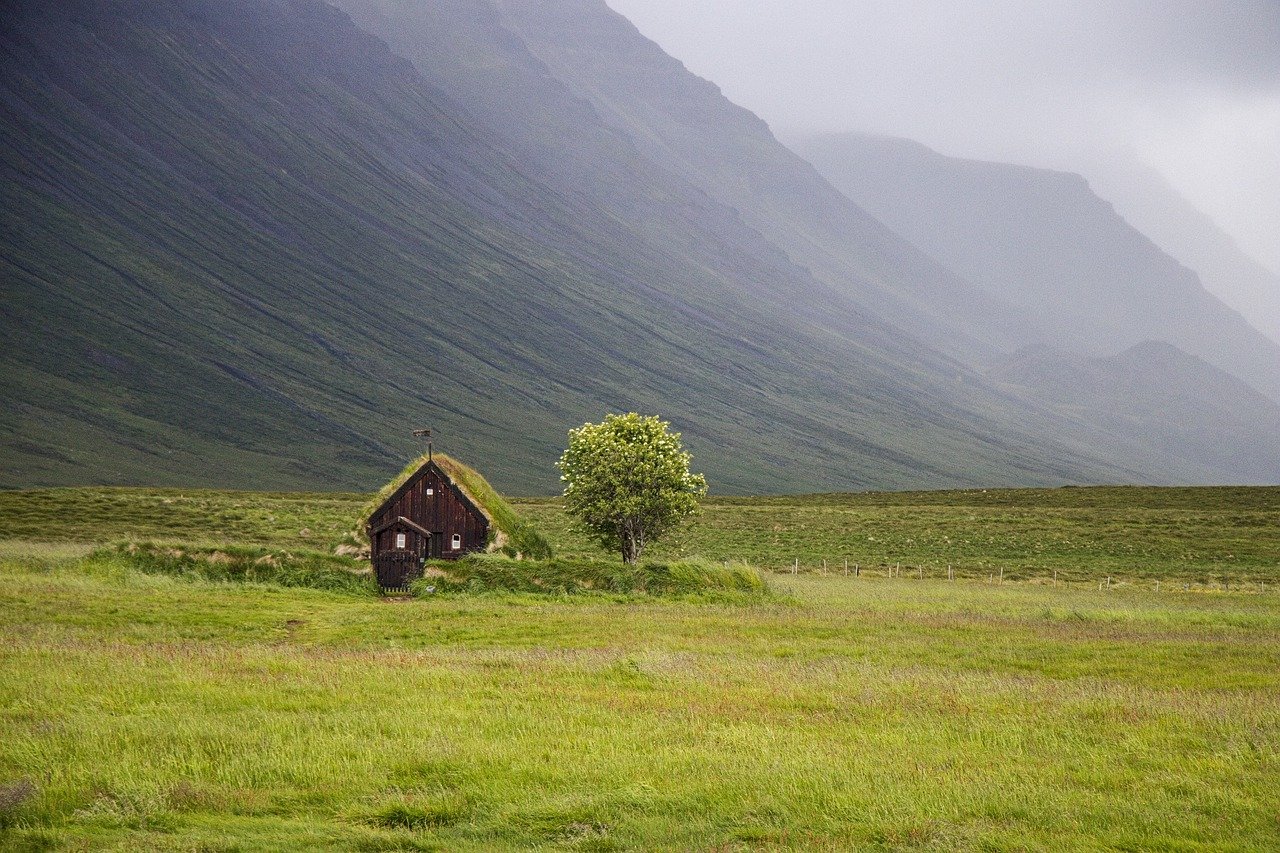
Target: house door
401 565
397 569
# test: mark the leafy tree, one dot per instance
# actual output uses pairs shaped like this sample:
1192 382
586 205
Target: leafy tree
627 481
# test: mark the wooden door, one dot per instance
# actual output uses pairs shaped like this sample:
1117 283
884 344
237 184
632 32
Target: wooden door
395 570
401 564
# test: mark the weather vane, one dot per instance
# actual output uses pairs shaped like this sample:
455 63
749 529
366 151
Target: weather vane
424 433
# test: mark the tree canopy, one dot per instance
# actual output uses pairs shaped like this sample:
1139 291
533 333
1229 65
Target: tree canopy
627 481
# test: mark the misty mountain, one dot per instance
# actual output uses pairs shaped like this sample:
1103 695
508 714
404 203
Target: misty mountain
246 244
1145 199
567 82
1154 396
1045 242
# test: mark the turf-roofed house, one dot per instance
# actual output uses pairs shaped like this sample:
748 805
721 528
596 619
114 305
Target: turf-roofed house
439 508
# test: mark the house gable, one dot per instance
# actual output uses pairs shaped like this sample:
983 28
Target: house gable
448 523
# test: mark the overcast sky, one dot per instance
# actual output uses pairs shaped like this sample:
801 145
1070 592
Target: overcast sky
1190 87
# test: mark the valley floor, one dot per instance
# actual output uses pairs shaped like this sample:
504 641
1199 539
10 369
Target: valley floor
150 712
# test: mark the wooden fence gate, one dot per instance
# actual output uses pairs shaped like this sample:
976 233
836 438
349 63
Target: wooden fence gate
395 570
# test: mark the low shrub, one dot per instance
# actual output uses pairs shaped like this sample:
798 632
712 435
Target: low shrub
243 565
480 573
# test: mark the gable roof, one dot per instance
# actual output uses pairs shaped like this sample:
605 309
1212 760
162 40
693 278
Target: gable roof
505 523
399 520
451 470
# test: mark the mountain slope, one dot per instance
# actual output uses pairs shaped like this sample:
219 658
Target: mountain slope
247 245
1144 198
593 76
1044 241
1154 396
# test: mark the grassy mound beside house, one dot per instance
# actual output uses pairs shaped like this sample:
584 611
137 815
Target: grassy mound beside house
508 531
239 564
481 573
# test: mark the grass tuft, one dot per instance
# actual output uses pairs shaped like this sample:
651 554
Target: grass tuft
414 814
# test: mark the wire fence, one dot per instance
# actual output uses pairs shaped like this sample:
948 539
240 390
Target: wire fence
1074 578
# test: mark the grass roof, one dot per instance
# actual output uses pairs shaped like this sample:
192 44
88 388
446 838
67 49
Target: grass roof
508 530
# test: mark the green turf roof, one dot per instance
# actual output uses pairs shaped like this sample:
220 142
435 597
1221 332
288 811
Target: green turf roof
506 525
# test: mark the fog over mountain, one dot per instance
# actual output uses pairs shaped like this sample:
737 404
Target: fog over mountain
1146 199
252 242
1044 241
1190 88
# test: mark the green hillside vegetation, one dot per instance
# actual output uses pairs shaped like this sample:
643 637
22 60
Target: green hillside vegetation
1155 395
267 301
147 711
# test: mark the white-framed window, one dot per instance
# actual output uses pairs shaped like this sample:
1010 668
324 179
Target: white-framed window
430 492
457 541
400 540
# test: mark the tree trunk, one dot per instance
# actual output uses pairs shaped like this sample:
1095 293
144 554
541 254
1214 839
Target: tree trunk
632 543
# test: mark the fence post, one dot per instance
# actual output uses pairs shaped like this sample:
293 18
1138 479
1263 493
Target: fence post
1002 574
950 574
795 567
922 573
1055 577
824 565
855 570
846 567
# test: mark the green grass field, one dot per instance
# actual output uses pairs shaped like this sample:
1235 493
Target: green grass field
1202 536
144 711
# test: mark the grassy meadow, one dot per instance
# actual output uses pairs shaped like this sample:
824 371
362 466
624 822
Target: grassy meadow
146 711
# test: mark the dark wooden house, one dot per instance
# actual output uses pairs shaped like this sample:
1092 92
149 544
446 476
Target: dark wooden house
428 513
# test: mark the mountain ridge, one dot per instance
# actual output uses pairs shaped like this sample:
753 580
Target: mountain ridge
1147 200
1044 240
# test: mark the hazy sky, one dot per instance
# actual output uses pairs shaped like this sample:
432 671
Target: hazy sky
1190 87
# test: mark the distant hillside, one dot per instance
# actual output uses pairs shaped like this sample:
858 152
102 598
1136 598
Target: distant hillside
1153 396
1044 241
245 244
1145 199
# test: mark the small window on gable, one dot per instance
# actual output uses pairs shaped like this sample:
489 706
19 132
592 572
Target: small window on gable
399 540
430 492
457 541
